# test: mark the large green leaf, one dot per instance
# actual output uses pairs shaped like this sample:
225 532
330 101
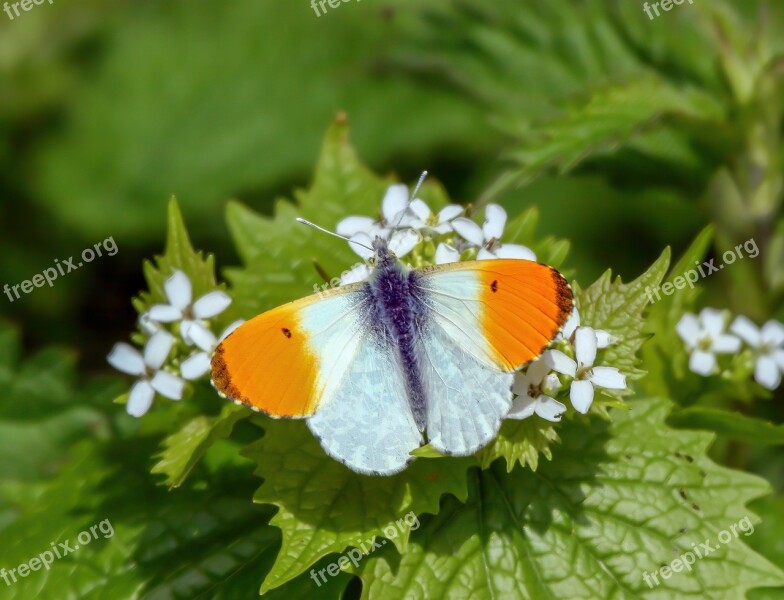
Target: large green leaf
617 502
324 507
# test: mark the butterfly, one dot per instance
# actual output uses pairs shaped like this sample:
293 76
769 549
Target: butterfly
410 356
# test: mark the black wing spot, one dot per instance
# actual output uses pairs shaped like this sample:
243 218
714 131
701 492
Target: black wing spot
494 285
286 332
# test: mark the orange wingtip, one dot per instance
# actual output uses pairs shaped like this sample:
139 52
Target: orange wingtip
526 305
266 364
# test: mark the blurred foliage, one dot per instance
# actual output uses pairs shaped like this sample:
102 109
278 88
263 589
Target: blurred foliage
586 120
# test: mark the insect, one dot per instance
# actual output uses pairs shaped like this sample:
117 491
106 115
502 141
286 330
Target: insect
379 368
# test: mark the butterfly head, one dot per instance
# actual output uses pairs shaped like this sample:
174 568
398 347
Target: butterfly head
381 249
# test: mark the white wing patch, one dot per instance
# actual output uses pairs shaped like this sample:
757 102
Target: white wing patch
364 421
466 399
452 298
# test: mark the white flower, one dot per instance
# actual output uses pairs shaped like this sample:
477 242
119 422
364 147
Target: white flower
394 214
147 325
401 243
446 254
705 338
768 345
532 388
440 223
198 364
128 359
179 293
487 238
586 375
603 338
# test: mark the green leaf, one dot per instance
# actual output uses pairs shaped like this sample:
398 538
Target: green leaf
521 441
522 230
184 448
607 120
178 255
618 501
618 308
325 507
729 424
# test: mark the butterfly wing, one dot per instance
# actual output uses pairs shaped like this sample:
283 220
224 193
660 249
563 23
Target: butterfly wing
366 421
485 319
320 357
282 361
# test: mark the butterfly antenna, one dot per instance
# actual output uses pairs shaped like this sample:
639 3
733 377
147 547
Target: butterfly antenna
337 235
422 178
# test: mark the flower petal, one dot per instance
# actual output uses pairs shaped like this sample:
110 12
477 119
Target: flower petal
485 254
211 304
126 358
767 372
702 363
551 384
581 395
355 274
163 313
202 337
178 290
537 371
712 321
558 361
747 331
584 346
521 383
446 254
362 245
689 329
549 408
353 225
495 221
572 323
195 365
140 399
603 338
514 251
149 325
449 212
420 209
395 201
168 385
522 407
404 241
778 356
773 333
230 329
469 231
157 349
725 344
608 377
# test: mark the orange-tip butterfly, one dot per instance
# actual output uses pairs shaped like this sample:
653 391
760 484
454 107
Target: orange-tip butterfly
410 356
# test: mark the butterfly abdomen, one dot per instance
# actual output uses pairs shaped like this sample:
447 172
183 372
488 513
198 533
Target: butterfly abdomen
396 313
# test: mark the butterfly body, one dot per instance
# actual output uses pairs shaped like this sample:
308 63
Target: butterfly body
379 368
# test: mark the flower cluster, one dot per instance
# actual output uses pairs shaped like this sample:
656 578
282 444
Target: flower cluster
573 366
157 367
411 226
707 335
